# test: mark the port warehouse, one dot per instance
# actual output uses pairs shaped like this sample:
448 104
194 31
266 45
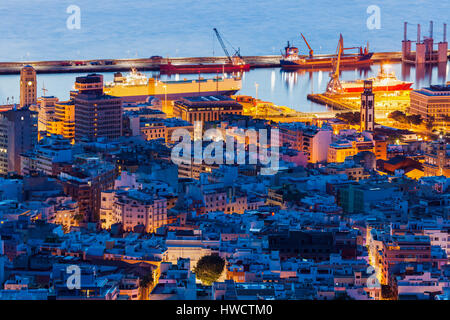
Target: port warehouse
149 64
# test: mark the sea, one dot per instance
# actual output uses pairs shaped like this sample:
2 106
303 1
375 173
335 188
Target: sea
35 30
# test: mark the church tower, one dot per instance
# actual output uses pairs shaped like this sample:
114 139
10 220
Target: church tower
367 107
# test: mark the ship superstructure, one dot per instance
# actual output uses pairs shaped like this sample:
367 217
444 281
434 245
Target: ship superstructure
136 87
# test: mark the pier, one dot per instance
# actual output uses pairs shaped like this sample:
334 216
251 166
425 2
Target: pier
152 64
385 101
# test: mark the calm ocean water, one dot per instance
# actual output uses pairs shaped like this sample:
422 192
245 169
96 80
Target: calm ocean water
36 30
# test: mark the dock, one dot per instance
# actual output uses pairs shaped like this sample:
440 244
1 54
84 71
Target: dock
152 64
331 101
385 101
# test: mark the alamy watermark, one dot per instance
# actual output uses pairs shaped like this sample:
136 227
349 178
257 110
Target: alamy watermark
236 146
74 279
374 20
74 20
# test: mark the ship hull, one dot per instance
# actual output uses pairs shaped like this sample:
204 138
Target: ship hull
309 63
397 87
176 96
202 68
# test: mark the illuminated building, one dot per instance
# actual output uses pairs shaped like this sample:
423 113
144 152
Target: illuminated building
205 108
46 112
28 86
432 103
311 140
133 208
84 184
18 133
64 120
96 114
437 160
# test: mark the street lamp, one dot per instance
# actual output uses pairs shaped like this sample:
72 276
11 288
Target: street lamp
165 95
256 97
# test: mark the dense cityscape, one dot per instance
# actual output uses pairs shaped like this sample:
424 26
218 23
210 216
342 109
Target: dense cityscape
148 189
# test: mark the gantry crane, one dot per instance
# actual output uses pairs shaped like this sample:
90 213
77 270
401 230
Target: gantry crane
311 52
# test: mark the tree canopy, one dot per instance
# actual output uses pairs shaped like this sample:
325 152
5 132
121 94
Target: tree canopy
352 118
209 268
401 117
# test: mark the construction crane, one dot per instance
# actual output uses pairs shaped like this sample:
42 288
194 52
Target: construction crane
311 52
237 52
334 85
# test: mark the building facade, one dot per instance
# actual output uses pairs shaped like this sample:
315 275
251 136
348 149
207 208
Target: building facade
18 133
28 86
96 114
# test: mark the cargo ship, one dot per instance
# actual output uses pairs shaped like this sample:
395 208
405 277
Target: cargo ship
292 60
382 82
136 87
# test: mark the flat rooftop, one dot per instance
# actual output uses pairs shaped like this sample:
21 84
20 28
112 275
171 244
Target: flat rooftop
209 98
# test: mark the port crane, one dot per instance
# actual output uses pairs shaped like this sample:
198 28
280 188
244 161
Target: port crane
237 54
334 85
311 52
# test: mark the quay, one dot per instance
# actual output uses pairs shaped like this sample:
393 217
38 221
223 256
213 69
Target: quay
331 101
152 64
385 101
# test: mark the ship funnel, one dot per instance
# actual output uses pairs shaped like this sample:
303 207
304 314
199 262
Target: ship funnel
418 33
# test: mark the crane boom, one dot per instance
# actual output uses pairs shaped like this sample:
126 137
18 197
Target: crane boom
222 44
311 52
334 85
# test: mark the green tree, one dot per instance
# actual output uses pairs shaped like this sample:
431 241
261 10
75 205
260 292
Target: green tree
415 119
352 118
429 124
398 116
209 268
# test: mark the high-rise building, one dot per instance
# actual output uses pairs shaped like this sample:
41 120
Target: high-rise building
367 107
18 133
96 114
46 112
28 86
64 120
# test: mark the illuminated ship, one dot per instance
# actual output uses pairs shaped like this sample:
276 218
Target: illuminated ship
382 82
136 87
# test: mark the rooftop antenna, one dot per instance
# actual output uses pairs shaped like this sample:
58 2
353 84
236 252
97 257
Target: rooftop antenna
44 90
